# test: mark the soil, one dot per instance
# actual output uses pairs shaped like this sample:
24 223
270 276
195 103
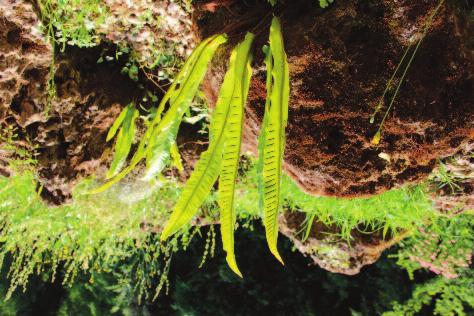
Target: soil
341 59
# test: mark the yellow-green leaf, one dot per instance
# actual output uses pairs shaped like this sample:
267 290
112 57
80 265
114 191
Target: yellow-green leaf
117 123
227 115
156 144
242 72
124 140
274 135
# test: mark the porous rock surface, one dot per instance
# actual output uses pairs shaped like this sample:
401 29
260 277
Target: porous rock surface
25 57
331 253
341 59
152 29
456 196
66 132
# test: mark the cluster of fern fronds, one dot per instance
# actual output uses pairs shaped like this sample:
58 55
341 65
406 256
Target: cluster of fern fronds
221 160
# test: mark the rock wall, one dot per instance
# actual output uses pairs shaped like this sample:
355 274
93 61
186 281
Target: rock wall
341 59
331 253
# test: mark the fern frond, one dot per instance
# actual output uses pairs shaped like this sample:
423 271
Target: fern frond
159 150
274 135
242 71
261 137
123 144
176 157
209 166
179 96
117 123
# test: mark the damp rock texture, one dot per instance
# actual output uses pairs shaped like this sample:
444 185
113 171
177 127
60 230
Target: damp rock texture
71 141
154 30
66 132
452 184
340 60
25 57
65 124
330 252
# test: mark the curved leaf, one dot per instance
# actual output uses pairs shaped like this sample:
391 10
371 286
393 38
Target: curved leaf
209 165
180 96
274 135
124 140
117 123
232 146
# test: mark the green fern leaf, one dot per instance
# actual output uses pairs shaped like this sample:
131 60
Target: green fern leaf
274 135
176 157
180 95
124 139
209 166
242 72
117 123
261 138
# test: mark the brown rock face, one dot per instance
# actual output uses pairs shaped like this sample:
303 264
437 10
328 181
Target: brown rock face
340 61
331 253
70 140
25 57
456 196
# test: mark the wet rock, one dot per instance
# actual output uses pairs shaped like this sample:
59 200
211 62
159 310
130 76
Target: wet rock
65 133
153 30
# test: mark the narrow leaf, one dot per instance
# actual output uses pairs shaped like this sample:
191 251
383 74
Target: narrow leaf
124 141
242 72
176 157
261 138
180 100
209 165
117 123
274 136
179 96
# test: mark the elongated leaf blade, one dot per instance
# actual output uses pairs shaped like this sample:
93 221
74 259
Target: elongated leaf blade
264 127
242 72
208 167
159 150
176 157
274 136
124 141
180 95
117 123
180 101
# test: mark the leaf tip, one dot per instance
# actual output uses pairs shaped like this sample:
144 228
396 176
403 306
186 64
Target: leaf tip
230 258
164 235
276 254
